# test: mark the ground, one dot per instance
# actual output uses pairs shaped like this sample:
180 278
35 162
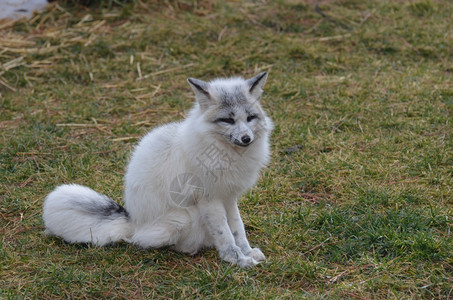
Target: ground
356 202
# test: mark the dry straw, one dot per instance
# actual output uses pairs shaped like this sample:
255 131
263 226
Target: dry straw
39 43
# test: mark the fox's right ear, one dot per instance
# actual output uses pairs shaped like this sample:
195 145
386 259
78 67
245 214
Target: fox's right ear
256 84
200 88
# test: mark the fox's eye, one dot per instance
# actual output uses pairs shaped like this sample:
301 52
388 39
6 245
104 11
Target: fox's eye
226 120
251 117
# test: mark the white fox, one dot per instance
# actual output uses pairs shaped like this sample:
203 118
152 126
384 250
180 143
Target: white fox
183 181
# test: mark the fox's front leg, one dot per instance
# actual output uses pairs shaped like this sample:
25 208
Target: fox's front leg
237 228
214 217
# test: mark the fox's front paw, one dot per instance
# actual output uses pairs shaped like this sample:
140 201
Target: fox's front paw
234 255
246 262
257 255
231 254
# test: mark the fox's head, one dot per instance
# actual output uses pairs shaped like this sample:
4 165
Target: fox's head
232 106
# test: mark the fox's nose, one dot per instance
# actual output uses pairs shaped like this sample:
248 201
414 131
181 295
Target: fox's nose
245 139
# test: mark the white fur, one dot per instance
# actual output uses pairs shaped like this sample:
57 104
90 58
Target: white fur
73 224
211 217
16 9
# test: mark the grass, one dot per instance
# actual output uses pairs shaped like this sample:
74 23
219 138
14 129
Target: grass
356 203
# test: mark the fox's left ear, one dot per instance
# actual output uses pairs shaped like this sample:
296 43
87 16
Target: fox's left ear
256 84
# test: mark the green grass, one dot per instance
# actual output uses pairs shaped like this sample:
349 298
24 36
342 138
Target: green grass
362 209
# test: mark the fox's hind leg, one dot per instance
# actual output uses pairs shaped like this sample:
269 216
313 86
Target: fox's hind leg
153 236
165 231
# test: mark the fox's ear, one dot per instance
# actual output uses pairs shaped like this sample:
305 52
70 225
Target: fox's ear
256 84
200 88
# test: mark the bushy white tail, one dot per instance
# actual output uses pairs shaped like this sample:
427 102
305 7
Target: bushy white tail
80 215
